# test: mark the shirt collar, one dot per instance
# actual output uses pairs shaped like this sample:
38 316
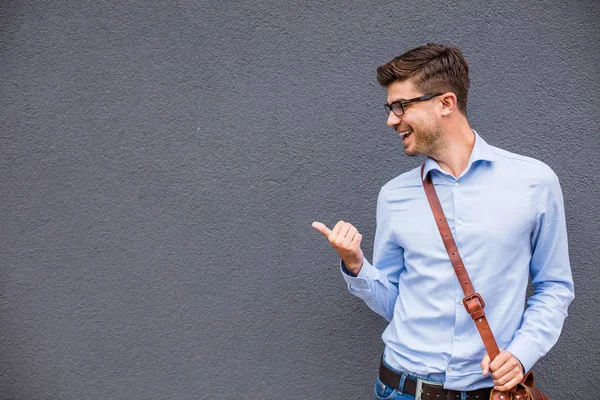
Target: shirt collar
481 151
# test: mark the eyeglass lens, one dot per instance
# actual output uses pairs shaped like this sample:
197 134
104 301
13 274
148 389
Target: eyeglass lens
396 108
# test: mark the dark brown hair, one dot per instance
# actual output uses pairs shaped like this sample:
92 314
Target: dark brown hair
433 69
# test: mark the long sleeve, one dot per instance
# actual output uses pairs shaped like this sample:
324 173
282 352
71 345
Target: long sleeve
550 273
377 283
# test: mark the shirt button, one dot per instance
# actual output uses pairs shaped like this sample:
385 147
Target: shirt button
459 302
456 339
459 222
456 184
449 369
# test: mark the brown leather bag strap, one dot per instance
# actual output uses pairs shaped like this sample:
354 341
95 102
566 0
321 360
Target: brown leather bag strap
473 302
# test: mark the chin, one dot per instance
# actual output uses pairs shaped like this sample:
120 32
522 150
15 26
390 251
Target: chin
411 153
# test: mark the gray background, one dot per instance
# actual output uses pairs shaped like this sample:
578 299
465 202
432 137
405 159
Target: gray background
161 164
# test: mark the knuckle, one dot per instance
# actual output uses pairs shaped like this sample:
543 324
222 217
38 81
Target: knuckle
520 376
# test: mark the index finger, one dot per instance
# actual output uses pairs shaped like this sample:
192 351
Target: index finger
485 364
325 231
500 360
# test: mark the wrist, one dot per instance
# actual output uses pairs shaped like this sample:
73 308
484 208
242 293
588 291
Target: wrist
353 268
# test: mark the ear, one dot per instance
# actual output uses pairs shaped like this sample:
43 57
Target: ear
449 103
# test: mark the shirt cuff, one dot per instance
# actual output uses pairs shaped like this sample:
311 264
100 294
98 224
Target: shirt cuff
345 270
360 281
525 350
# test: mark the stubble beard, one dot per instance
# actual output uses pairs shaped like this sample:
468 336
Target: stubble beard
428 142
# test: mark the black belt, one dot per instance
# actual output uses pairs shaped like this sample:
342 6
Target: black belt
429 392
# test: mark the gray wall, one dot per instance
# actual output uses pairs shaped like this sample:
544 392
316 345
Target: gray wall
161 164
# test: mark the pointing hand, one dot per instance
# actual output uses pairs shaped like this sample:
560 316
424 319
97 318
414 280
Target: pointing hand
345 240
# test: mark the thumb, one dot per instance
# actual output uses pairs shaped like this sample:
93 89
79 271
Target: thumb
322 228
485 364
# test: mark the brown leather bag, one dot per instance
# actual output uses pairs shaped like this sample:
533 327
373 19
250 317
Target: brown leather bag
474 303
523 391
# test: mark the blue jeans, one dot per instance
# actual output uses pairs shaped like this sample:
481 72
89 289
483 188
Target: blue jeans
385 392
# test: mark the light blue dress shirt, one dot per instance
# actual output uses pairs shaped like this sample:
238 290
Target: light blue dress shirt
507 217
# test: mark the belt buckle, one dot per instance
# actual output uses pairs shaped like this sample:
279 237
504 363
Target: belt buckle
420 383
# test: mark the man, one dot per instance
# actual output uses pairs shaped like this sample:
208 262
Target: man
507 217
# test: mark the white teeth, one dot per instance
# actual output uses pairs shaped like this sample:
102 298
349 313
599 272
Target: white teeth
404 133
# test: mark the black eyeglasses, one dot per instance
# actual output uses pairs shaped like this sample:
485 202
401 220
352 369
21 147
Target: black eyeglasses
397 107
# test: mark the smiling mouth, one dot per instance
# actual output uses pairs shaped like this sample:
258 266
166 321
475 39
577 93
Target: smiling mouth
405 134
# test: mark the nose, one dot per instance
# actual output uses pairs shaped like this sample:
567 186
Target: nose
392 120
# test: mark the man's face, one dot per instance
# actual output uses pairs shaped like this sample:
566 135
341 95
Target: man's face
419 127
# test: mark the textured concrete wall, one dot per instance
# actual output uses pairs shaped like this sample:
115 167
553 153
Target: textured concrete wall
161 163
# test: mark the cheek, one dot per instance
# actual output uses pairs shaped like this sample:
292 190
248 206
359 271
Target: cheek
416 123
416 117
424 123
411 119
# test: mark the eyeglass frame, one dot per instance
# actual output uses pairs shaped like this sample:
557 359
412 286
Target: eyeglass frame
402 103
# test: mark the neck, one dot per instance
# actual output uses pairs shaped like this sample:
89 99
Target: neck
459 142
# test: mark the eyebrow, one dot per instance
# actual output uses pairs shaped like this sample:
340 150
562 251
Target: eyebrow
402 99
